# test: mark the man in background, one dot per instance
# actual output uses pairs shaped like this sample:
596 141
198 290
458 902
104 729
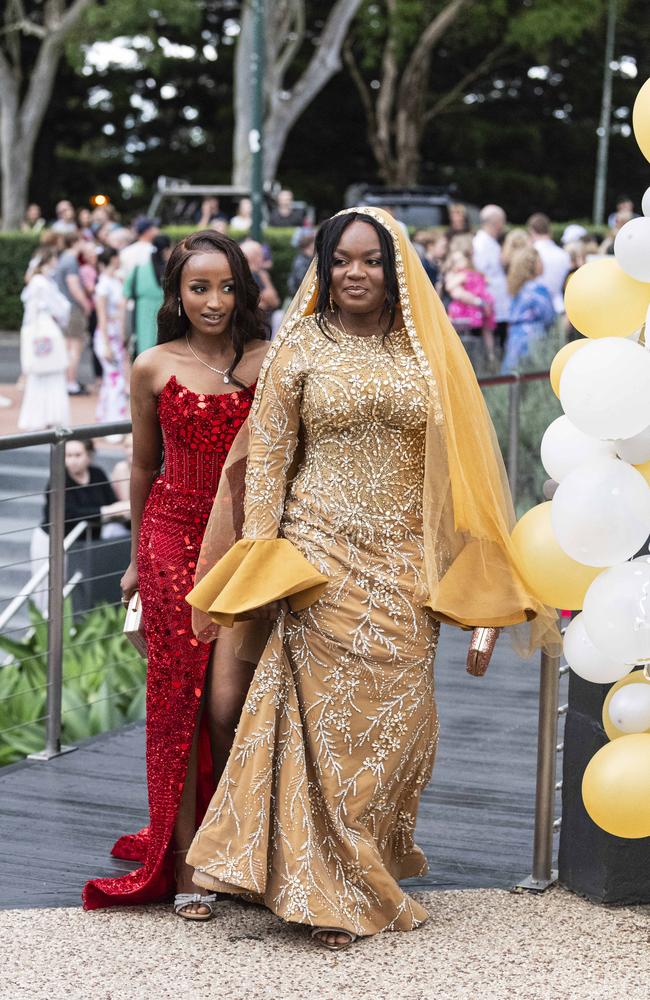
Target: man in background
66 219
68 280
555 261
284 213
487 260
140 251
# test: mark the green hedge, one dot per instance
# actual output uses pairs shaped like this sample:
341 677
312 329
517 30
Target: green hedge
16 249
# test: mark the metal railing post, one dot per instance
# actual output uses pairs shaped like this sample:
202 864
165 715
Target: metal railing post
56 598
543 874
514 398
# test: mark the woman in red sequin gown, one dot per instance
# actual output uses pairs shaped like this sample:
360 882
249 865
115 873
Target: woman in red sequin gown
190 395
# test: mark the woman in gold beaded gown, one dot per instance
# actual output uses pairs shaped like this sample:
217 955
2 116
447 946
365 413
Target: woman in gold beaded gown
376 506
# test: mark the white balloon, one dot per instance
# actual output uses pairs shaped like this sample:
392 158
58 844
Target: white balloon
605 388
629 708
587 661
635 450
645 202
601 512
616 612
564 448
632 248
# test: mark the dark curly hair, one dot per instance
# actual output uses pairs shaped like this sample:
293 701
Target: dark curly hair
327 240
247 320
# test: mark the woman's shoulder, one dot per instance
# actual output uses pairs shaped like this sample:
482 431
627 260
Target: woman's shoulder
256 348
97 475
150 363
302 326
254 353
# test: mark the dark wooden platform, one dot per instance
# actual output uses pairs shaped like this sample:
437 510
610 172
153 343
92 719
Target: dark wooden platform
58 820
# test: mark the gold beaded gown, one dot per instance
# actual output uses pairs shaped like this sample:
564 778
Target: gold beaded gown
316 810
377 503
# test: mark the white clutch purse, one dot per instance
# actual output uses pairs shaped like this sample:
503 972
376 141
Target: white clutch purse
133 628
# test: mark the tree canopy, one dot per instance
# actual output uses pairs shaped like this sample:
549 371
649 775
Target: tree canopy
507 106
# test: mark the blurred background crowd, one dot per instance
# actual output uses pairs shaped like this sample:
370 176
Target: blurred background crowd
99 279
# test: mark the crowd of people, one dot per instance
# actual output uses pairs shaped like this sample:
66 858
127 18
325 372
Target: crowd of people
95 281
503 288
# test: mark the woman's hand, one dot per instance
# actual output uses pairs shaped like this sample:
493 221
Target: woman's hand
120 510
129 583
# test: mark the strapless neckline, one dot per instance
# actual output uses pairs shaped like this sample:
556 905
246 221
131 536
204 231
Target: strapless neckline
172 380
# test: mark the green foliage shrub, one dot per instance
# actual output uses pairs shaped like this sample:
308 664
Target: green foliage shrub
103 682
16 249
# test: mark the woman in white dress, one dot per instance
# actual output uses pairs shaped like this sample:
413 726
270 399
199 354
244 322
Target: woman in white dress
43 354
109 345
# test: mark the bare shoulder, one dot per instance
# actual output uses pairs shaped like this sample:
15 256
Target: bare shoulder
151 369
254 353
256 348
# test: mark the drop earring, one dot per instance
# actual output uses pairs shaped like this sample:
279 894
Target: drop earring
180 308
332 303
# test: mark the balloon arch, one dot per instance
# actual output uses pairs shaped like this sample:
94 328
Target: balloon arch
578 551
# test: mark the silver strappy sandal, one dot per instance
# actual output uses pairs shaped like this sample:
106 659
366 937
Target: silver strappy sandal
185 899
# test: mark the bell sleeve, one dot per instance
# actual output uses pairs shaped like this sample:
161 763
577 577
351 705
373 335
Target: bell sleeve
262 566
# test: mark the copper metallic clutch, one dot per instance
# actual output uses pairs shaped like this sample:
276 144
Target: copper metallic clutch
480 650
133 627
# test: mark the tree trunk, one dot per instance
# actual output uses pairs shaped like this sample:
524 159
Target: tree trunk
20 122
16 171
284 107
397 119
243 101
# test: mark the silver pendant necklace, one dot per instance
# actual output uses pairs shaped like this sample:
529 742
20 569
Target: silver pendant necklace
218 371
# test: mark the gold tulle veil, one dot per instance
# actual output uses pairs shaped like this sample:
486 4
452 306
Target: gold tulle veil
471 576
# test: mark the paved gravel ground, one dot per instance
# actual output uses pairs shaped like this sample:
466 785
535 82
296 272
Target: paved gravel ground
478 945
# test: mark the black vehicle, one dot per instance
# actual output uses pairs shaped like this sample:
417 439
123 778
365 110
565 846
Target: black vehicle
416 207
178 203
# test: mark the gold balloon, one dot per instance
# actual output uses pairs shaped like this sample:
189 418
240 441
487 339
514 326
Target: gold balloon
601 300
616 787
641 119
551 574
634 678
559 361
644 469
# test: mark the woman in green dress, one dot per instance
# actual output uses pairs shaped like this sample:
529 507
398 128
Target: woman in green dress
143 285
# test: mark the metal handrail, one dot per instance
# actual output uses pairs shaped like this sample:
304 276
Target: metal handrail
543 875
39 576
550 671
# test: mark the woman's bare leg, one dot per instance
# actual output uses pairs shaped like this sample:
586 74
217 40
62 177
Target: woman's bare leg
228 684
185 826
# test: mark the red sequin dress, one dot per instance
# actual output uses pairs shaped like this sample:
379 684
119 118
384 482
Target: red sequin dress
198 430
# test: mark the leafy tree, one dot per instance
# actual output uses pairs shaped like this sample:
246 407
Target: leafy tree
33 38
404 89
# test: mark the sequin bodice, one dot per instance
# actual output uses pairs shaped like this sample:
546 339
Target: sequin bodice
198 430
364 411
